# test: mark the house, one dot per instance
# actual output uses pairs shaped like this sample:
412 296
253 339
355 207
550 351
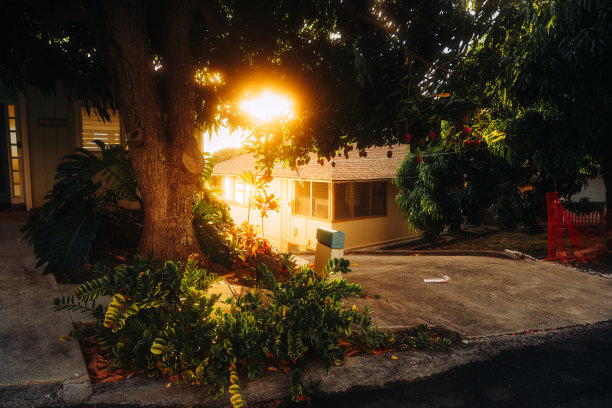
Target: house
355 196
36 132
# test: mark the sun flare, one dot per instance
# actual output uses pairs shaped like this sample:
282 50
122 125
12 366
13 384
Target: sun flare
268 106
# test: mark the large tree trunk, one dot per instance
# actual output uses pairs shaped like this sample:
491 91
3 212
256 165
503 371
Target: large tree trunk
158 113
606 171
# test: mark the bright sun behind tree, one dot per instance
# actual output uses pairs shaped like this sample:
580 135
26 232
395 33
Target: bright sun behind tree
268 106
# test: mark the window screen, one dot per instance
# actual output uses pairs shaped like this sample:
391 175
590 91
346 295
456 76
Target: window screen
379 198
228 188
343 196
240 191
95 129
320 200
302 198
359 199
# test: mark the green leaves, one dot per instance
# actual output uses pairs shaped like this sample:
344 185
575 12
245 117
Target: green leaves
63 231
336 265
162 320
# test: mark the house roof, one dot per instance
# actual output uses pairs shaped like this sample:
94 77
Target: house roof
375 166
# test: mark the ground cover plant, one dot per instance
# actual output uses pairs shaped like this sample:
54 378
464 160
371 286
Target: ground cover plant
163 321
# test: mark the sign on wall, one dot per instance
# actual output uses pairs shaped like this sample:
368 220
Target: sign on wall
51 122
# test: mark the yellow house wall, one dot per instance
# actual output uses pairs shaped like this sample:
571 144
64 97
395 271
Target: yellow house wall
304 231
283 228
271 224
376 230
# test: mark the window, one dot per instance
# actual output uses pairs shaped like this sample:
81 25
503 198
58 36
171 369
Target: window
14 145
235 190
93 128
379 198
359 199
228 188
302 198
240 191
320 200
312 199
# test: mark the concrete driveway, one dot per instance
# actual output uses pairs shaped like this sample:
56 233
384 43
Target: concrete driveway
485 296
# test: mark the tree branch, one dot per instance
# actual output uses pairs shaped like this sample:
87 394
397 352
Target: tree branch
388 29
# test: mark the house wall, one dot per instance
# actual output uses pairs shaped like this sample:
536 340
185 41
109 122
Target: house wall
49 144
272 224
286 231
304 232
595 190
376 230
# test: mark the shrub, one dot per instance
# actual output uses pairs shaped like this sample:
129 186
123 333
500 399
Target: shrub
161 320
86 197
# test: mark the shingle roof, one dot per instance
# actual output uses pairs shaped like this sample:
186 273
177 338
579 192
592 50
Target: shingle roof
375 166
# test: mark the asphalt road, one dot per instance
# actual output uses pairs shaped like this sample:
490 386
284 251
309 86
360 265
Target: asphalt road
571 373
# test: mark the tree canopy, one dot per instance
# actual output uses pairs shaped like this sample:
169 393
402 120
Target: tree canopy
536 93
174 67
527 78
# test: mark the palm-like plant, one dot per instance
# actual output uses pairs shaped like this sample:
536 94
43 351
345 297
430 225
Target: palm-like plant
265 202
255 185
89 187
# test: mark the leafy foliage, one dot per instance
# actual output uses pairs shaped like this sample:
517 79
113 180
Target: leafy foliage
87 194
163 320
453 181
544 90
212 221
423 340
247 247
265 203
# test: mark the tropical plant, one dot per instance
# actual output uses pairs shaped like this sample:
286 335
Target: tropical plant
90 189
306 319
255 185
211 218
424 340
247 246
265 203
163 321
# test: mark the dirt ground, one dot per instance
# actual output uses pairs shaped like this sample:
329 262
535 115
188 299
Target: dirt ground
535 245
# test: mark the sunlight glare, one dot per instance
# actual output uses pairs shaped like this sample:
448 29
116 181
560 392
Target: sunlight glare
268 106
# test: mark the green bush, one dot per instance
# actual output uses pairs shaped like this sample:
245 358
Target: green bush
85 198
161 320
211 218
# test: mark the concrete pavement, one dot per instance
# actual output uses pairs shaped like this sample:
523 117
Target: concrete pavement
487 297
36 367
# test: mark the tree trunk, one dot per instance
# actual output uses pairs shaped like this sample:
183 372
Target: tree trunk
158 112
606 171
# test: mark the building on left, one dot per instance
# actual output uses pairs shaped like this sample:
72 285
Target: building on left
36 131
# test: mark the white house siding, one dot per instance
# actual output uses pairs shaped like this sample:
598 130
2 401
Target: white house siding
595 191
49 144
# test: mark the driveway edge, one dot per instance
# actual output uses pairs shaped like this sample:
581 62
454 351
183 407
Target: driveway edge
357 373
434 252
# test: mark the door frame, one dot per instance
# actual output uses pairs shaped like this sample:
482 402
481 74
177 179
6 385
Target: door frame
23 151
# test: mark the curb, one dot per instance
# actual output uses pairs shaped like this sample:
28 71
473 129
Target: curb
357 373
434 252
